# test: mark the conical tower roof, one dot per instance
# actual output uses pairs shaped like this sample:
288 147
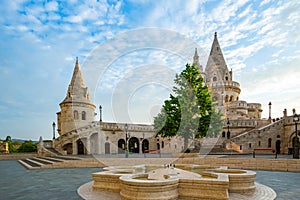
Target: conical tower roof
77 91
196 61
216 62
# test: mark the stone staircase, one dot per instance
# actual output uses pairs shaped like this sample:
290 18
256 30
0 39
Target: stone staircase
267 131
59 162
53 151
212 146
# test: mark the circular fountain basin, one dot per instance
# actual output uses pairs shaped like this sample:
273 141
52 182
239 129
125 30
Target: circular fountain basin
142 187
240 181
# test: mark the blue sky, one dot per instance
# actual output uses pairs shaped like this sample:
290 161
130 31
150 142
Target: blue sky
40 40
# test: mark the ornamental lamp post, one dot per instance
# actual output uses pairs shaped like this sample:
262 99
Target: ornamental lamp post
126 141
100 108
296 140
228 132
270 104
53 127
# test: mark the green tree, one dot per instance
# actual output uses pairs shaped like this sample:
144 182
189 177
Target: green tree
167 122
28 146
190 112
11 147
8 139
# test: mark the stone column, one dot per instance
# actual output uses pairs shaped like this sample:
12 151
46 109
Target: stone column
74 146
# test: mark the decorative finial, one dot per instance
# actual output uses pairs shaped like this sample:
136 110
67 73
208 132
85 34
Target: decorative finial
76 59
215 34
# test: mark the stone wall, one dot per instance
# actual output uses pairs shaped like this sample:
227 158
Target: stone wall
288 165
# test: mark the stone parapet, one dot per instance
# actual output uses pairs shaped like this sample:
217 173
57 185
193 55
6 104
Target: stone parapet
287 165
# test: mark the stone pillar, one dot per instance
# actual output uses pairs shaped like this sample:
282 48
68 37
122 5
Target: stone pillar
74 146
88 146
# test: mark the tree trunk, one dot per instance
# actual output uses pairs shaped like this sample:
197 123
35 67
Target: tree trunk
186 142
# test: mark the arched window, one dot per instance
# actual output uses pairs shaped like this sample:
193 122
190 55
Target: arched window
259 143
231 98
226 78
226 98
269 142
162 144
214 79
83 115
75 114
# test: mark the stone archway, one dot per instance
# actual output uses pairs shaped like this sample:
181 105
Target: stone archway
121 146
107 148
80 147
145 145
134 146
278 143
68 148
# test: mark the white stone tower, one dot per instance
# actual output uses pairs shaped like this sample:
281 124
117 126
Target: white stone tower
219 79
76 109
196 63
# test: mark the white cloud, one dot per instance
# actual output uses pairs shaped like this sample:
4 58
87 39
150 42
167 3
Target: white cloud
51 6
264 2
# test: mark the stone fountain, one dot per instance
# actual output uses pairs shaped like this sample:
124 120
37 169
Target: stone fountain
166 182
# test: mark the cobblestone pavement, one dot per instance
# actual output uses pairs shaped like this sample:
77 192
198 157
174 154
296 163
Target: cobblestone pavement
18 183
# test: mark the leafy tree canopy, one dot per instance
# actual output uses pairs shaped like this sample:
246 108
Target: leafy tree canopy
28 146
190 112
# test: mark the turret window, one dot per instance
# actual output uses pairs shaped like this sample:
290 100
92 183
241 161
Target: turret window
226 98
269 142
75 114
83 115
214 79
226 78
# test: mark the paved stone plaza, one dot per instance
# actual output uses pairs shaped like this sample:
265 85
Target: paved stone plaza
18 183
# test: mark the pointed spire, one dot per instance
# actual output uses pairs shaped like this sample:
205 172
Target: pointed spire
216 61
77 79
77 90
196 58
196 61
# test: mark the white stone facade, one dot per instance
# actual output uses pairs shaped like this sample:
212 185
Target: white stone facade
80 134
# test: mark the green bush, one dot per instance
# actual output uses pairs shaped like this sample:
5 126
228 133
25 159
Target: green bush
28 146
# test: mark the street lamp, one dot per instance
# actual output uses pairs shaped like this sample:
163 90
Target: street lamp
228 132
53 126
270 104
143 145
296 140
100 108
126 140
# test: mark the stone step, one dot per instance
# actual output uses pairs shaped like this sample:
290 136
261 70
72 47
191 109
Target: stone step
59 162
28 164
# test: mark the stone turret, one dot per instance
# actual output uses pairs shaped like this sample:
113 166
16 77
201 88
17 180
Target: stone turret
76 109
219 79
197 63
216 68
